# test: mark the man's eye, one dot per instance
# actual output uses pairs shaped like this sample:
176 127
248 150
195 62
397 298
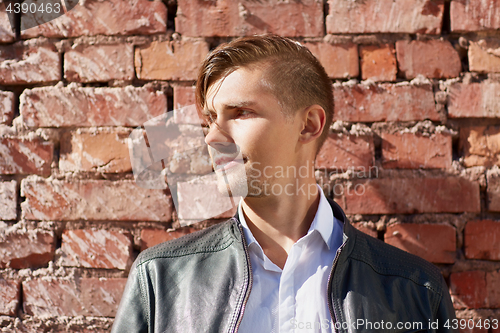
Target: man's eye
244 113
209 118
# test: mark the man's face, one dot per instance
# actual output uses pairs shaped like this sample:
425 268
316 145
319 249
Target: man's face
252 138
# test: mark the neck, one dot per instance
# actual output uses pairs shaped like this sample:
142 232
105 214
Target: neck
278 221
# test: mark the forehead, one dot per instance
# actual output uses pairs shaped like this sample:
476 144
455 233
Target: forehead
242 87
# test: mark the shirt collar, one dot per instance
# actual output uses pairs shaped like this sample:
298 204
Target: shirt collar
323 221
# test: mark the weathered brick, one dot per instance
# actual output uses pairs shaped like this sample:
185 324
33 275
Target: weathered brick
151 237
74 106
493 190
92 200
50 297
232 18
25 156
366 230
101 150
408 150
433 242
474 100
484 56
339 60
26 64
468 289
469 15
433 59
184 105
480 145
8 200
92 18
384 102
6 107
96 249
170 60
344 152
25 248
7 35
97 63
415 16
10 291
378 62
411 195
481 239
201 201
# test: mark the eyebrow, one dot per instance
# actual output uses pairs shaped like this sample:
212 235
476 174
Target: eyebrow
231 105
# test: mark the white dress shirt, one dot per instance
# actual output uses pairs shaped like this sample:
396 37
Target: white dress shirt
293 299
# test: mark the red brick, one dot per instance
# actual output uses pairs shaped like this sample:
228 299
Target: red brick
90 18
481 240
378 62
26 248
74 106
344 152
384 102
8 200
231 18
413 151
184 96
92 200
339 61
7 35
474 15
25 64
9 297
475 289
468 289
152 237
50 297
433 242
96 63
493 191
474 100
184 105
201 201
493 288
170 60
6 107
101 150
480 145
484 56
435 59
182 148
96 249
411 196
25 156
355 17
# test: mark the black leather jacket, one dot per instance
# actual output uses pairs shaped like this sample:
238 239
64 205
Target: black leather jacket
201 282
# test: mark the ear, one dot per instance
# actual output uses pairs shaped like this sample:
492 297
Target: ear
314 121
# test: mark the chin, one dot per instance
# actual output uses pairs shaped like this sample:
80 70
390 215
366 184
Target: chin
233 182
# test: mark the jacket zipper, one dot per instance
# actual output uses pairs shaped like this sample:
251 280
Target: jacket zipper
250 279
329 286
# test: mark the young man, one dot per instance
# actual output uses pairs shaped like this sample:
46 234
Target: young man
289 261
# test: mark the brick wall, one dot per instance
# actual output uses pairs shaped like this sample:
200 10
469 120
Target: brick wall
413 156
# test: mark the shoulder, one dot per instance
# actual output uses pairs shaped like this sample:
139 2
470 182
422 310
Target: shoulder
212 239
387 260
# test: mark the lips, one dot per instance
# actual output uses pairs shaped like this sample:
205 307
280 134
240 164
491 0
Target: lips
225 163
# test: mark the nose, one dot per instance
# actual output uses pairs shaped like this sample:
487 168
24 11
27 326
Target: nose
219 139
